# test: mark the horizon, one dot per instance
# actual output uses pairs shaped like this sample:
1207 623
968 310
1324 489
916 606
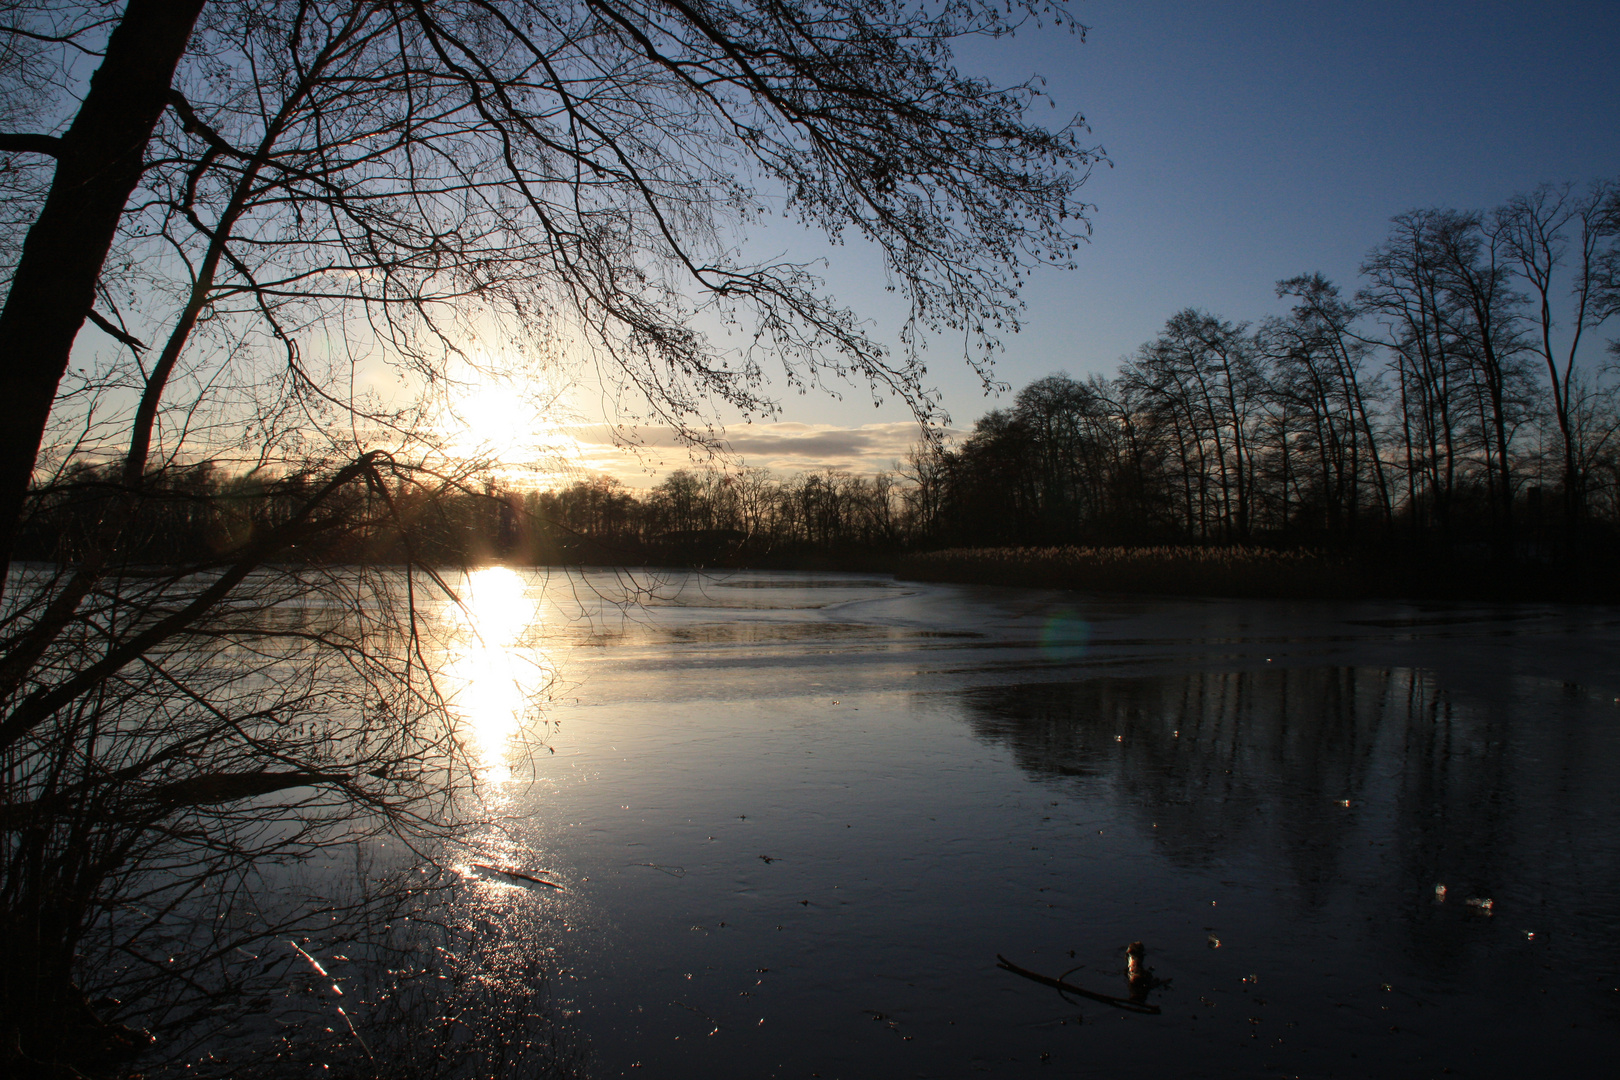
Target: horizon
1195 213
1332 127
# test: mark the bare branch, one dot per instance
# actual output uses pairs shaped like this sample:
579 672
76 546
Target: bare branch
23 143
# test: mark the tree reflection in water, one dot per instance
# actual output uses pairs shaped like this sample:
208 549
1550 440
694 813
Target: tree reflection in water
1355 791
375 953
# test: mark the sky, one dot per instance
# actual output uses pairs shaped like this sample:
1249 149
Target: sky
1249 141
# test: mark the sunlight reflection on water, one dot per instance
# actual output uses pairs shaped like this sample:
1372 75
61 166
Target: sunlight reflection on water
494 676
783 807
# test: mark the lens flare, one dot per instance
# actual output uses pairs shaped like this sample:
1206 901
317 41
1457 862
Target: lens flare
1064 636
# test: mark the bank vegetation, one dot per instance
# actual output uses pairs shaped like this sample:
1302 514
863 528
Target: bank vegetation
1451 427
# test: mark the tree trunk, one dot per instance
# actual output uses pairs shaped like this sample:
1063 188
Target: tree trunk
99 162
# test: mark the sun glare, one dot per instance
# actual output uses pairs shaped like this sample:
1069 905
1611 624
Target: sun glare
507 421
493 675
493 415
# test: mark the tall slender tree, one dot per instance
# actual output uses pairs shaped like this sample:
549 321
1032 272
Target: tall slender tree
1548 232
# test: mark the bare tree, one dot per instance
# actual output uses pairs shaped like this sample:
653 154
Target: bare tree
1201 372
250 198
1550 231
1406 292
1486 313
1416 405
1321 365
566 167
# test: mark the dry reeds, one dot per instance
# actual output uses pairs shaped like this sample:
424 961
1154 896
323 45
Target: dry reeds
1209 571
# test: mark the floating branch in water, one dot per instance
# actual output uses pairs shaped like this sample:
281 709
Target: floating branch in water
516 875
1069 988
700 1012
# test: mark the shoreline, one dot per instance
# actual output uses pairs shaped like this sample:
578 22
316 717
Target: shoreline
1259 573
1189 571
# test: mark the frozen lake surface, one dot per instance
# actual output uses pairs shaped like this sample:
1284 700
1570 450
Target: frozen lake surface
798 816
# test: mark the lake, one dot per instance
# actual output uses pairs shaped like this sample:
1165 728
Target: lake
797 817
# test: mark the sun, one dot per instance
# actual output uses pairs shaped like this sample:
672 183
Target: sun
502 420
492 414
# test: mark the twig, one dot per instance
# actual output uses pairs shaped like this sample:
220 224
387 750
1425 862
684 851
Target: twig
672 870
700 1012
518 874
321 971
1069 988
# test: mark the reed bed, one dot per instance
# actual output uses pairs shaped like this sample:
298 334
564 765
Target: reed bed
1205 571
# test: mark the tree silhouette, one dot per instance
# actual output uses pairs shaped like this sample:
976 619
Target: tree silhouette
248 196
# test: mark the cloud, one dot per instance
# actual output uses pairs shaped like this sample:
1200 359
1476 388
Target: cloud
642 456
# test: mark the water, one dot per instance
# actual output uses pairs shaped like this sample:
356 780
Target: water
797 817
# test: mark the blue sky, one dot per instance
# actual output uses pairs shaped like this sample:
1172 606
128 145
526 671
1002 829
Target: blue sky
1254 141
1250 141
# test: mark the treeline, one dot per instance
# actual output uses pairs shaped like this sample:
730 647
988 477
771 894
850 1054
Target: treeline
198 513
1447 406
1443 404
747 512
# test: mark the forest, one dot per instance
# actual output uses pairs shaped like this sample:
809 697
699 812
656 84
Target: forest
1449 406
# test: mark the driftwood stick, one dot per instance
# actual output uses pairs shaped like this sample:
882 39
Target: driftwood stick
518 874
1069 988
